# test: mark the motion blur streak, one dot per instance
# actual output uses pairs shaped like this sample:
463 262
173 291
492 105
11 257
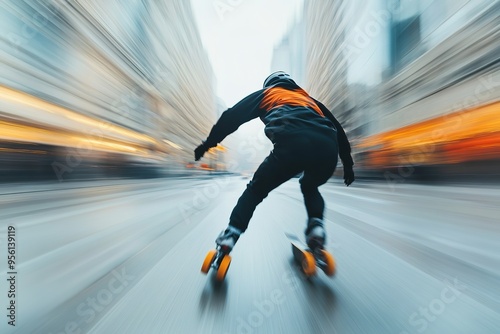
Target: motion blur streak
111 84
28 106
458 137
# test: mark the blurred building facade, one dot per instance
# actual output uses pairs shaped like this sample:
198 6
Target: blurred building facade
435 48
290 54
415 83
438 103
326 70
127 82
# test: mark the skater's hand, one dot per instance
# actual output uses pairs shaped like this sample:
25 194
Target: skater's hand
348 176
200 151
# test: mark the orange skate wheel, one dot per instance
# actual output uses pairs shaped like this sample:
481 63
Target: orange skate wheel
330 263
224 266
209 259
308 264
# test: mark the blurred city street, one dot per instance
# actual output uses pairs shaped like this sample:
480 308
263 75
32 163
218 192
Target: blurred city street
125 257
130 129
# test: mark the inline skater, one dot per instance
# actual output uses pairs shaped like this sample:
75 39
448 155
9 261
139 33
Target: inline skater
307 139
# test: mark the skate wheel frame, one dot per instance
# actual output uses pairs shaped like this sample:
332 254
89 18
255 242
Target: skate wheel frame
309 260
209 259
308 264
223 267
328 265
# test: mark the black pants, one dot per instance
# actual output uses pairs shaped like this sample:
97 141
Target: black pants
311 152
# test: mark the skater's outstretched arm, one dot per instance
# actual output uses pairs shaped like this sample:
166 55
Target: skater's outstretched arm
231 119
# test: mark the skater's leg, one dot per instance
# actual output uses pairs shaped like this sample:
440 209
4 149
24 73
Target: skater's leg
313 200
270 174
315 205
316 174
309 183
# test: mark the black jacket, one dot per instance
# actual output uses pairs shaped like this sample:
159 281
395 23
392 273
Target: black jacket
284 108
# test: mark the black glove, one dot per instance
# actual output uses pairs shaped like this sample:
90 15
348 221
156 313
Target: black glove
348 175
200 151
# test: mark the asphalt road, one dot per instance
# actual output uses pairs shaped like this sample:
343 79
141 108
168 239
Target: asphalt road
124 257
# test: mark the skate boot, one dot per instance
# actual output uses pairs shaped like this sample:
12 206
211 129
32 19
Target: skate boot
315 234
227 239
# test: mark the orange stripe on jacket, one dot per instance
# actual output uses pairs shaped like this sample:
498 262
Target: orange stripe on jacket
275 97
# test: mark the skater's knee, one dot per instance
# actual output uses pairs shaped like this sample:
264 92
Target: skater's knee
308 189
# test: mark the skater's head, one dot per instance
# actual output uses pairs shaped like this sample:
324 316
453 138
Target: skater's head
276 77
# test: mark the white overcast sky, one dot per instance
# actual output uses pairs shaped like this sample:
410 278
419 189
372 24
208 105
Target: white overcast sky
239 37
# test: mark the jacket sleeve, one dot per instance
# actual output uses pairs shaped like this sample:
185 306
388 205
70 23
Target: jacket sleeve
344 146
231 119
